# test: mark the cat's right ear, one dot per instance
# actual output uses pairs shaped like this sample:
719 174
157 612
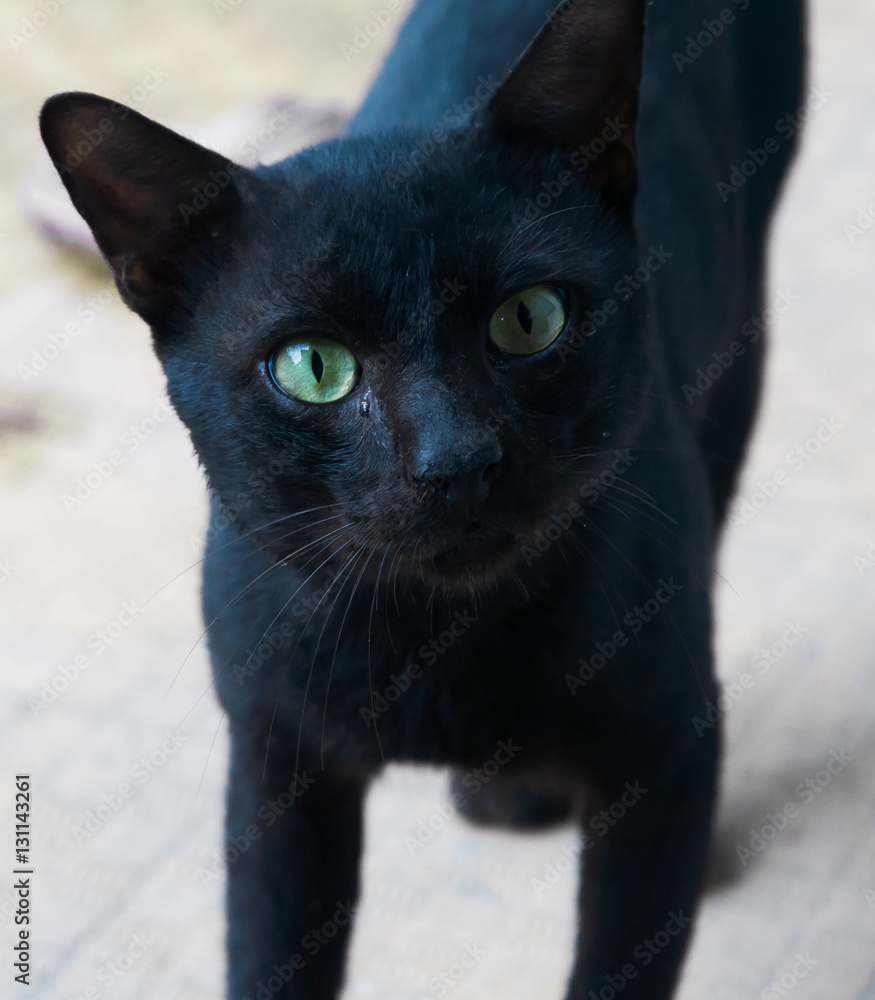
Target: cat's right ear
576 88
156 202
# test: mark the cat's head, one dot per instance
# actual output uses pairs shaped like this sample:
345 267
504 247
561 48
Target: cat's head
420 344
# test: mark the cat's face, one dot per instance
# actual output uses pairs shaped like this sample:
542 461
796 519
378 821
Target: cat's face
434 438
421 369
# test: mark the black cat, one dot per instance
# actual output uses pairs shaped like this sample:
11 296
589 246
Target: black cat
464 511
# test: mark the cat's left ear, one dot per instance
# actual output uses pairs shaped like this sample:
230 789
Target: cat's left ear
576 88
156 202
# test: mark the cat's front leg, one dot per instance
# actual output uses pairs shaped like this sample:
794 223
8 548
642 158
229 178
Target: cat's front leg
645 844
293 841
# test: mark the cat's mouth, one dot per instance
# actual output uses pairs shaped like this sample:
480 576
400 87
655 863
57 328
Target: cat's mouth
476 552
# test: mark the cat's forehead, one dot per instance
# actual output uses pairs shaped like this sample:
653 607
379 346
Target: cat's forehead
367 189
365 217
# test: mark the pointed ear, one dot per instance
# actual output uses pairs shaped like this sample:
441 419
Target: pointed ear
154 200
576 88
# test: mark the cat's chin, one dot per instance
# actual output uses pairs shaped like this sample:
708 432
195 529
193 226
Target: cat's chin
477 559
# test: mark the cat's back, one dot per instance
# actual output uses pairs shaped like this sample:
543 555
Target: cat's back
718 78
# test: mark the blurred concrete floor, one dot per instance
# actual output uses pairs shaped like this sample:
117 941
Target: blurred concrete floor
150 870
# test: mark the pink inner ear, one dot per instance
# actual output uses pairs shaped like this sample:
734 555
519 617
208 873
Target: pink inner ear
129 184
131 214
137 276
135 199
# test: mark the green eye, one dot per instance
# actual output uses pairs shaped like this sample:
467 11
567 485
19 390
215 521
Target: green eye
528 321
315 370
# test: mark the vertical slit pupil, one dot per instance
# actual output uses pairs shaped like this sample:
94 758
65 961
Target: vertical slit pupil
524 317
318 366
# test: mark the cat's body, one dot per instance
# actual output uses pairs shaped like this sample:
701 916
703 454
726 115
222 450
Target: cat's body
519 546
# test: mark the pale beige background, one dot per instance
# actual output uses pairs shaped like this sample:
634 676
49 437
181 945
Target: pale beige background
150 870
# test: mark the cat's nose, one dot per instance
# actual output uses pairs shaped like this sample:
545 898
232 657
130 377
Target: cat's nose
463 480
466 495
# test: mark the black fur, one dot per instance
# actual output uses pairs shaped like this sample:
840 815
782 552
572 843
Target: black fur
473 556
